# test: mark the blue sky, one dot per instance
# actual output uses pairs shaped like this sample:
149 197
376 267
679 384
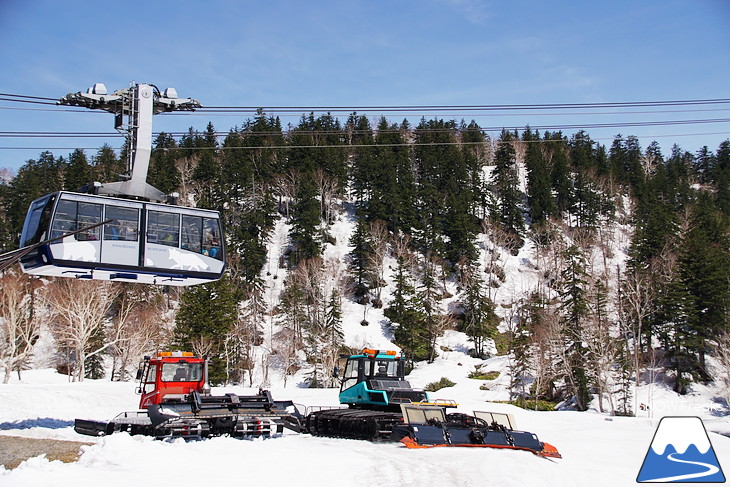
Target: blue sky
365 53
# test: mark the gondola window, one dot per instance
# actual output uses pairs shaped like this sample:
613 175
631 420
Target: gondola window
124 223
163 228
72 215
192 233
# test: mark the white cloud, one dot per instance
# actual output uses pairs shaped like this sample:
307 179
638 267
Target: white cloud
475 11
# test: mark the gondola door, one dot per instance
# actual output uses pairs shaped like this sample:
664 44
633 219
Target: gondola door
120 237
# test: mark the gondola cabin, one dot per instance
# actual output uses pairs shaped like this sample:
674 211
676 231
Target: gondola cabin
139 242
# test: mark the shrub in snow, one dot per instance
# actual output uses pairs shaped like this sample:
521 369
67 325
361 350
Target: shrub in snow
435 386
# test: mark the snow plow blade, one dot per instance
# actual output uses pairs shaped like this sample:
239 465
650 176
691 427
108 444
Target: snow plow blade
429 427
132 422
91 428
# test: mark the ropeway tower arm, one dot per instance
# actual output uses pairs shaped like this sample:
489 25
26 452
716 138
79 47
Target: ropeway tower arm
138 104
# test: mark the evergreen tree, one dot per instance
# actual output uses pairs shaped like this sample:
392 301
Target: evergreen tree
460 225
364 171
94 365
676 330
34 179
77 172
703 270
440 169
624 380
359 260
475 158
655 219
679 173
721 176
206 172
574 306
506 187
333 335
560 174
392 189
163 173
292 308
625 162
207 314
404 214
316 144
480 318
540 199
333 321
107 167
586 201
704 163
721 160
305 223
242 188
405 316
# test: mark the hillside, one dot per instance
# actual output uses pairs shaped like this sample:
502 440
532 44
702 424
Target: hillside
602 449
596 270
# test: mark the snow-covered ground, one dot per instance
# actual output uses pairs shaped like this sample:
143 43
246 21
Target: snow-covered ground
596 448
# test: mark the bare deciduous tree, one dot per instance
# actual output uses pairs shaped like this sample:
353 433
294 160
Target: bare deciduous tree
189 188
310 276
328 187
247 334
402 249
435 327
546 345
285 187
143 328
493 262
19 325
722 356
635 297
601 345
202 346
379 236
6 174
286 352
80 310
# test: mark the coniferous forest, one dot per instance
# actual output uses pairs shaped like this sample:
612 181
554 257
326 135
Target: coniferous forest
627 247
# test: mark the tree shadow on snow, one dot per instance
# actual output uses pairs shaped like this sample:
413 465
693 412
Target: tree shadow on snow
50 423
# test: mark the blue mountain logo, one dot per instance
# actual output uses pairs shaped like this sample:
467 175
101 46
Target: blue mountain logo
681 452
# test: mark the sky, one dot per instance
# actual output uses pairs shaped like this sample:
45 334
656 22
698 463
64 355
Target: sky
370 53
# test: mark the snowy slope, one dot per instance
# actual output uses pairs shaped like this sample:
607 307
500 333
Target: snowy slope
596 448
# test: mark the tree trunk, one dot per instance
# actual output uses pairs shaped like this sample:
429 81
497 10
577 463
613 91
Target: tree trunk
80 365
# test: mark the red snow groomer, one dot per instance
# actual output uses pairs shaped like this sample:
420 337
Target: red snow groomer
176 402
